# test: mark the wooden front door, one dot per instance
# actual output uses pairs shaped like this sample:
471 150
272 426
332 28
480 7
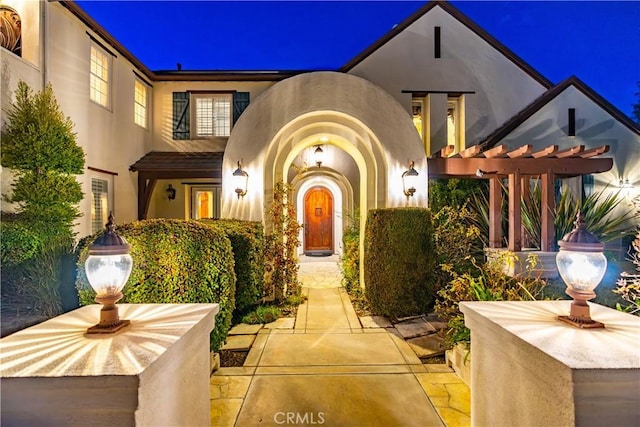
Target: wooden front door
318 221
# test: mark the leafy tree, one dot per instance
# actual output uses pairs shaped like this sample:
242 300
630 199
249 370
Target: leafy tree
635 114
39 145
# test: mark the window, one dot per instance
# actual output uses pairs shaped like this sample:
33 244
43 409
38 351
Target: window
140 104
439 119
212 115
205 201
99 204
99 76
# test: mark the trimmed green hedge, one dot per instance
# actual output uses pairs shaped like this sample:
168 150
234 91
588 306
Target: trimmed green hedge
247 241
174 261
399 261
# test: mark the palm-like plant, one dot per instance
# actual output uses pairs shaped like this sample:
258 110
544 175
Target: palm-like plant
597 209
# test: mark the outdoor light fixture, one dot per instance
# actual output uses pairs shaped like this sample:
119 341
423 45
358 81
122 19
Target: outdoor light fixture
108 268
318 155
171 192
581 265
409 180
625 184
240 181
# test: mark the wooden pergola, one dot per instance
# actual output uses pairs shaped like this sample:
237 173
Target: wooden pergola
519 165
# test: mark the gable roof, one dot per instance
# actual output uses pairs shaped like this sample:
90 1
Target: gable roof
456 14
517 120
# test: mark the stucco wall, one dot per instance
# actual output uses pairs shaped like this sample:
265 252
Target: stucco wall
365 117
468 63
109 136
163 112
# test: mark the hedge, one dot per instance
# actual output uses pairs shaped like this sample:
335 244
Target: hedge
174 261
247 242
399 261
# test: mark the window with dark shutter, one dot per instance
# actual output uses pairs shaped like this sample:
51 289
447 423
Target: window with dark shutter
181 115
240 103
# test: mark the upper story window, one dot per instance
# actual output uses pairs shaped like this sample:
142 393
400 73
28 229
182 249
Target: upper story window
211 115
439 116
99 76
140 104
10 30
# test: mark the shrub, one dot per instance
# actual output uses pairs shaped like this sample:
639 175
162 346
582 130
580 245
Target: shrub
399 261
174 262
454 192
247 242
281 265
350 260
262 314
19 242
628 286
488 283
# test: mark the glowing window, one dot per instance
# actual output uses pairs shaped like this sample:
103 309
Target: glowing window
212 115
140 104
455 123
99 204
205 201
99 77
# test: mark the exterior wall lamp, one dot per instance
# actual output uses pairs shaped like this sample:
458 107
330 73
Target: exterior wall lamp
318 155
240 181
171 192
409 180
581 265
108 268
625 184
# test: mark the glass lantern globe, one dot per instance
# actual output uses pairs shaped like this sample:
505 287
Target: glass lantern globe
240 180
581 264
318 156
108 267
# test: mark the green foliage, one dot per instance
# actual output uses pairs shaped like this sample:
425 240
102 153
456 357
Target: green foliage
487 283
350 260
18 242
628 286
454 192
38 143
174 262
456 238
399 261
247 242
281 266
262 314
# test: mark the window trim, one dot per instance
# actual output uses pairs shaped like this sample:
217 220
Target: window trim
109 65
215 189
193 100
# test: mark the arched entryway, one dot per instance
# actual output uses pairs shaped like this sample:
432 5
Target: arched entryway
318 222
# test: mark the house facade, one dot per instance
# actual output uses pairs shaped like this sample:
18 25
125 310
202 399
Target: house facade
167 143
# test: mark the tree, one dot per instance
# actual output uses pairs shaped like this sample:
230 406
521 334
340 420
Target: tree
39 145
635 114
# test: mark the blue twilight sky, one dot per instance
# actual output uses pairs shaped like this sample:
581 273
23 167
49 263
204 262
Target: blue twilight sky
598 41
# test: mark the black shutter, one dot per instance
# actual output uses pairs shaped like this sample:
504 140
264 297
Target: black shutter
181 115
240 102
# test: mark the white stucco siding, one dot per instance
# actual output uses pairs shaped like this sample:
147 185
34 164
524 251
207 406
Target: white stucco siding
110 138
365 117
163 112
468 63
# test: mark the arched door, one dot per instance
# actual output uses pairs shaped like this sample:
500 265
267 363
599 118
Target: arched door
318 221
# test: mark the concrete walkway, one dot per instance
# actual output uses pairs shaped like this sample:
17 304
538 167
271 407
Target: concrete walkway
328 370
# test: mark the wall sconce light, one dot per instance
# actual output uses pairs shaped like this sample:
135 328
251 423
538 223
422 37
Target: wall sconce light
171 192
409 181
240 181
108 268
318 155
581 265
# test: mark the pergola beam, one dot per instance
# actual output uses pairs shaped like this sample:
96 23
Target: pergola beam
562 167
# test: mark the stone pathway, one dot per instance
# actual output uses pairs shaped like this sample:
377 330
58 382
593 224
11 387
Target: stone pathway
326 368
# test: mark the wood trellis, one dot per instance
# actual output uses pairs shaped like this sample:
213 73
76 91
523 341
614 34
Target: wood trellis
518 166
